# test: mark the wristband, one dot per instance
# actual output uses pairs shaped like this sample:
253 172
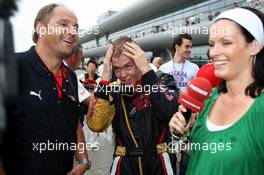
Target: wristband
86 162
105 82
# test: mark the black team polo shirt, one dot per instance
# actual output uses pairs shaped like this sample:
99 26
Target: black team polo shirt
41 132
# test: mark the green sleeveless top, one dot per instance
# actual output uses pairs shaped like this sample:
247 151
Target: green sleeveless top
237 150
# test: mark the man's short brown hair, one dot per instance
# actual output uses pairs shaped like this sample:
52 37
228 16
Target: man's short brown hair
179 40
118 45
43 16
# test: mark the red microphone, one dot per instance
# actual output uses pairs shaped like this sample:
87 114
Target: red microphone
198 90
207 71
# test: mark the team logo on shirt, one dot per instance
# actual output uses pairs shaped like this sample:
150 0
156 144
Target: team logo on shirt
36 94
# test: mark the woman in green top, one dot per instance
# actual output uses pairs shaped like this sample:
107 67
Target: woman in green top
228 136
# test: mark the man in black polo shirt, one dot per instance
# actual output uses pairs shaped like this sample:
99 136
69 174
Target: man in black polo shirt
43 126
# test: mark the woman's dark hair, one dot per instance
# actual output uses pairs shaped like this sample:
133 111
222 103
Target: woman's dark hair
256 88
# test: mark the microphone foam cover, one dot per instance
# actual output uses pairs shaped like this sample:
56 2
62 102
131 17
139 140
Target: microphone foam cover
191 103
199 88
207 71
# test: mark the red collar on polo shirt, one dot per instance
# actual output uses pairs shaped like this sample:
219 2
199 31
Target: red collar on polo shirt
59 78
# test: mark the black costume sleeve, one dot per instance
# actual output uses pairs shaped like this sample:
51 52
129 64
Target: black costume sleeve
163 93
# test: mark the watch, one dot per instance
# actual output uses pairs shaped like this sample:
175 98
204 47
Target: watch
86 162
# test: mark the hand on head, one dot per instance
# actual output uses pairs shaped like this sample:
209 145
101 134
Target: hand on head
138 55
107 64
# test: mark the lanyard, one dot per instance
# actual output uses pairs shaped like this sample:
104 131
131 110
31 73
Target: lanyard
174 69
